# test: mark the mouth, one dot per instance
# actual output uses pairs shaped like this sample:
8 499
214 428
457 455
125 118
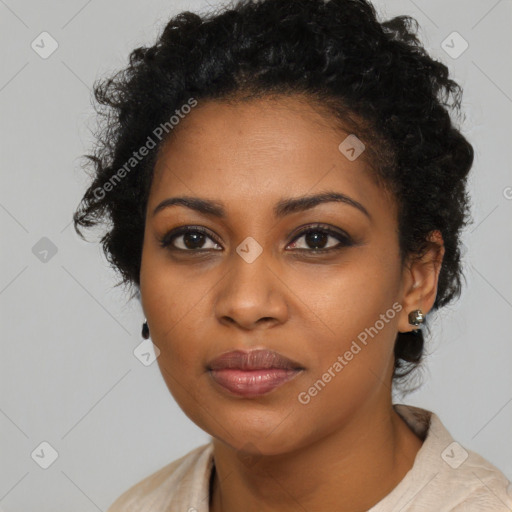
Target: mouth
253 373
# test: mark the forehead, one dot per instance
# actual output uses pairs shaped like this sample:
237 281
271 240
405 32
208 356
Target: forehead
260 150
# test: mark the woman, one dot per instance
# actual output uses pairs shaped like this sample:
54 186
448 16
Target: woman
285 192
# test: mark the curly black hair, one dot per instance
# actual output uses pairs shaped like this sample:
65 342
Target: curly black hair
372 76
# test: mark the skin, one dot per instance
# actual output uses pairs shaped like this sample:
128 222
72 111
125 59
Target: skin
347 448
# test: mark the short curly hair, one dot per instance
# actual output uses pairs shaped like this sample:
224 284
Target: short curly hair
372 76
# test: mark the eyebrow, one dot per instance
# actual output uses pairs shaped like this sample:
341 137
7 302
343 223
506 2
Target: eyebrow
284 207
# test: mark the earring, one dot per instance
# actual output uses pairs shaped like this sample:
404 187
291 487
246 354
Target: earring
145 330
416 317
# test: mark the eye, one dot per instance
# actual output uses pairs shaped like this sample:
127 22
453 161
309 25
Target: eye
189 238
317 239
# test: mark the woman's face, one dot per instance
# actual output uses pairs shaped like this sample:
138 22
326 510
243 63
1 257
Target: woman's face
253 279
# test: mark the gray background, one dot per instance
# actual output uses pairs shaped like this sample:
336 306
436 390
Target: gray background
68 373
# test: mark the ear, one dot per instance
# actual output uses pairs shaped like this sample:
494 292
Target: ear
419 280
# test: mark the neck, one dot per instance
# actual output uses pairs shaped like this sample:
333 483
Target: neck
352 468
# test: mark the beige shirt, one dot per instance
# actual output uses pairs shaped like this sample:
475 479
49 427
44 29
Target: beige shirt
445 477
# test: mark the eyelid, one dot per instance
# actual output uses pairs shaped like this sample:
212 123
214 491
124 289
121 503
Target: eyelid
166 240
318 226
344 239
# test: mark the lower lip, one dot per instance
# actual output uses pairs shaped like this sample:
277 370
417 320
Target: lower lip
250 383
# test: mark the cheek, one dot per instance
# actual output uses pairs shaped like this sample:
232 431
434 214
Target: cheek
348 296
357 306
171 300
353 357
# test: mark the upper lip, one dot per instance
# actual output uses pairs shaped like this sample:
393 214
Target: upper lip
256 359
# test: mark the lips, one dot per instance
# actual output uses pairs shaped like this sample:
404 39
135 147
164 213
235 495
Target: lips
253 360
253 373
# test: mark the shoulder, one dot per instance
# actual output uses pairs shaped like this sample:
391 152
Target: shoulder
178 483
446 476
479 485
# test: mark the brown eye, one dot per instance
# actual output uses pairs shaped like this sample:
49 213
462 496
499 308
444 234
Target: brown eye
189 239
320 239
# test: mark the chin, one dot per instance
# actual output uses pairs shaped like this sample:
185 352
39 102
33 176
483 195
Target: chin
257 435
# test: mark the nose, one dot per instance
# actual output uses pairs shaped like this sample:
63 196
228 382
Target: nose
251 295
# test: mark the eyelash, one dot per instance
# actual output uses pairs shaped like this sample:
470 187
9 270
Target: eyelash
345 240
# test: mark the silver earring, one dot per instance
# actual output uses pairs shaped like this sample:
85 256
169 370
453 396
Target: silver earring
416 317
145 330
